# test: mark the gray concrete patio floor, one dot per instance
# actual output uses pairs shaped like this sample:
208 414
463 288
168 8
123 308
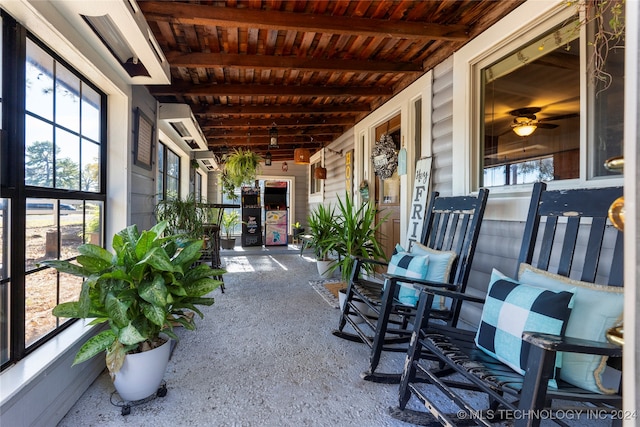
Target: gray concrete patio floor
263 355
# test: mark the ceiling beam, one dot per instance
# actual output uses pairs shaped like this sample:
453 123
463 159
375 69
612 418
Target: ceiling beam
264 140
264 131
193 14
184 89
276 110
212 60
280 122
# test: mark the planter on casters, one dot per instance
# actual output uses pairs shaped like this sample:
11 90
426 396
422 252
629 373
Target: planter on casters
228 243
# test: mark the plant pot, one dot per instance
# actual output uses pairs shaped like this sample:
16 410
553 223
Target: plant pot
323 268
228 243
142 373
342 297
297 231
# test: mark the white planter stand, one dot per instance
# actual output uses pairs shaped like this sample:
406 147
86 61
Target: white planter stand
142 373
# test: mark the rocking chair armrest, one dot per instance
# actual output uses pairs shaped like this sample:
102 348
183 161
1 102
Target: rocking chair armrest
556 343
361 260
437 288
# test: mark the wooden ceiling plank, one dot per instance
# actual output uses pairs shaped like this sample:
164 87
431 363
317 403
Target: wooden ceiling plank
281 122
282 109
196 14
263 89
202 59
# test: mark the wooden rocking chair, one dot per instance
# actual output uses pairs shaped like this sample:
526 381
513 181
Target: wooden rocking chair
566 235
450 232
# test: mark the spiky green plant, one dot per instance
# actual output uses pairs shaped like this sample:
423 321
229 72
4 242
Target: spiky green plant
146 287
355 235
322 220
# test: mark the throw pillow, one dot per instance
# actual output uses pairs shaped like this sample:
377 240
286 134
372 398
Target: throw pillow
512 308
596 309
411 266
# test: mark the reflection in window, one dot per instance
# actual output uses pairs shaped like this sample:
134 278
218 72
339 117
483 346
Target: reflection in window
168 173
531 108
532 112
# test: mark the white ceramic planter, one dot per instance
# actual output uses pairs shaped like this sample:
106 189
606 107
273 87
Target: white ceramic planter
142 373
323 268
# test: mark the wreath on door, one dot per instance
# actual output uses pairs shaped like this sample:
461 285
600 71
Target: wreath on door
384 157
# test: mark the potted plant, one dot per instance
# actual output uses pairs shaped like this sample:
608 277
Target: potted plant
354 235
228 223
297 229
183 216
241 167
142 290
321 222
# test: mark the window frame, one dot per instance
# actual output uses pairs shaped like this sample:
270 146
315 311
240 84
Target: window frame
15 190
530 21
317 159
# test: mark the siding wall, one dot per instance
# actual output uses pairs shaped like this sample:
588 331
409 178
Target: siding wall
143 185
442 128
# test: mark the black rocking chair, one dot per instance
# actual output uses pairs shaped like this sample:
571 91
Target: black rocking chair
450 224
566 235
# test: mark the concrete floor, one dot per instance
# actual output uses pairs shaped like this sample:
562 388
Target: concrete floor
263 355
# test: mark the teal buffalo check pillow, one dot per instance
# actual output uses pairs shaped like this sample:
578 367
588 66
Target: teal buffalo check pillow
512 308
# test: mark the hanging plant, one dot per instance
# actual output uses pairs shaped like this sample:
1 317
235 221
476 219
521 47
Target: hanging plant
241 167
384 157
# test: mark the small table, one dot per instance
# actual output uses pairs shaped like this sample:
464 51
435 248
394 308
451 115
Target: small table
306 240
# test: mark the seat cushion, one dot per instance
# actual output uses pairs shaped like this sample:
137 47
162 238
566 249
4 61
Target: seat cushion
596 309
512 308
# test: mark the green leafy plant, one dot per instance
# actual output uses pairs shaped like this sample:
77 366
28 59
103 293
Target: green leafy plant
229 222
321 222
145 288
241 167
184 216
355 235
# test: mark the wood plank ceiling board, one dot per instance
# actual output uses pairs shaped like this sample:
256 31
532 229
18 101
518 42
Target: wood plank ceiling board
311 68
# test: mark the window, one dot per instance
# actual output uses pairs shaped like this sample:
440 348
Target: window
533 129
168 175
53 188
316 186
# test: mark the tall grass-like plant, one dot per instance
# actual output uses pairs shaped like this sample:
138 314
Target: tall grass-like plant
322 221
183 216
355 235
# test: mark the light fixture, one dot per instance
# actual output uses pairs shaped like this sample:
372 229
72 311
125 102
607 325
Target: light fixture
301 156
273 137
267 159
524 125
524 129
285 167
110 35
320 173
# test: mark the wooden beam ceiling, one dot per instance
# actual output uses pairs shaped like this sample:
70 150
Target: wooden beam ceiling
312 68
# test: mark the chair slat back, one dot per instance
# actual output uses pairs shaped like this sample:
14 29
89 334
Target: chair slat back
453 224
575 235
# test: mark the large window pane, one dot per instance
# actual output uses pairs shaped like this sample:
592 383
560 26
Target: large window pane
39 82
67 160
93 220
40 298
90 166
5 283
38 153
67 99
71 222
90 113
536 88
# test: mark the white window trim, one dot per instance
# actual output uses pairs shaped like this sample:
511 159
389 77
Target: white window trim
318 197
529 19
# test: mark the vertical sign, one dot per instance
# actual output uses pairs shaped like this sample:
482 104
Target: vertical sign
348 172
419 201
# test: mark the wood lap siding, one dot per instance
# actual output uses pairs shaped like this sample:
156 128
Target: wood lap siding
442 128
